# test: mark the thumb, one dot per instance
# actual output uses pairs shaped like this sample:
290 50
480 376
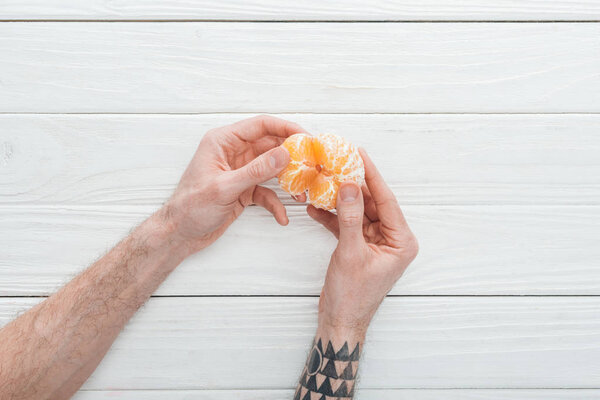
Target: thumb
261 169
350 211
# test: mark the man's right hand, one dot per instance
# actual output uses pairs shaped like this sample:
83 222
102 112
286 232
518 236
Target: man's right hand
224 177
375 247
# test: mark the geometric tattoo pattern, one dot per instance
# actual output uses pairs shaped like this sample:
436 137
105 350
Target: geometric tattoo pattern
329 374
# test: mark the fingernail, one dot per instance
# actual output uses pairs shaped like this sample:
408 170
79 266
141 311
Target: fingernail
349 193
278 158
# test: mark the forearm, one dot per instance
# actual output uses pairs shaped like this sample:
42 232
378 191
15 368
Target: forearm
332 365
48 352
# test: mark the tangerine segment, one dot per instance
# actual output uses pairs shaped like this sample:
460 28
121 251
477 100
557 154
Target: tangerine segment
318 165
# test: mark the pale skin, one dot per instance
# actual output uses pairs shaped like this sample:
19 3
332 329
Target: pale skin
49 351
375 246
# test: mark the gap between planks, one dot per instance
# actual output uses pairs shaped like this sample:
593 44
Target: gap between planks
552 339
252 113
311 21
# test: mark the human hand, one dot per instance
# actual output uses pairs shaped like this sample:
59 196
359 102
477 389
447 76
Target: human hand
223 178
375 247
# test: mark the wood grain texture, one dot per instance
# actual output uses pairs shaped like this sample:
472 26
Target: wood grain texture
288 10
74 185
463 250
431 342
362 394
501 204
426 159
299 67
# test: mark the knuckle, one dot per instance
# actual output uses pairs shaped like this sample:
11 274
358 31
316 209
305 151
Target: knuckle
350 218
293 127
212 133
412 247
258 196
256 170
261 119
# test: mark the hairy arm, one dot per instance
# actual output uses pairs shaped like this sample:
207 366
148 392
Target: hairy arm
49 351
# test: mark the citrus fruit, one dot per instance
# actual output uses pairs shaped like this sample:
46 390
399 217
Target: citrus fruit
318 165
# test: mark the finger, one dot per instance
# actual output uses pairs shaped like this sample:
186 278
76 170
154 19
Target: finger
388 210
265 144
254 128
259 170
301 198
267 199
370 210
350 212
325 218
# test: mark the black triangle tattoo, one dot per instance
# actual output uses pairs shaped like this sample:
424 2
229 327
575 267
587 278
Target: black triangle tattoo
303 379
329 370
306 396
347 374
311 384
342 391
323 397
355 353
329 353
343 355
297 396
326 388
320 346
351 394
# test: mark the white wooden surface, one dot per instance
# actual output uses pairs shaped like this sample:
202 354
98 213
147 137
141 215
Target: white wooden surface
196 67
488 133
464 250
427 159
418 342
498 200
313 10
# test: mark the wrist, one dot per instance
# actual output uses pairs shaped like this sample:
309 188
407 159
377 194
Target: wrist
162 231
339 333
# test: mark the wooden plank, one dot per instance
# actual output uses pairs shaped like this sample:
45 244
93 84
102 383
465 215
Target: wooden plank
301 67
430 342
288 10
471 250
426 159
83 177
366 394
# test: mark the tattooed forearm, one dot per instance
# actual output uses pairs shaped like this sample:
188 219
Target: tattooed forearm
330 372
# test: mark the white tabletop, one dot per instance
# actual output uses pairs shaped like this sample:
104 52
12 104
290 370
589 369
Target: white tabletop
484 117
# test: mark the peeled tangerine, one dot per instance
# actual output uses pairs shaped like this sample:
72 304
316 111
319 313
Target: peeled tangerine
318 165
